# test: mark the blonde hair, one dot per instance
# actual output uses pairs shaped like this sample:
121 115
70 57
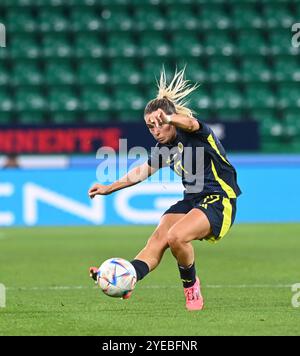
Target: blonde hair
176 91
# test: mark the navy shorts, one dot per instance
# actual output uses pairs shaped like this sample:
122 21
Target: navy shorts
219 210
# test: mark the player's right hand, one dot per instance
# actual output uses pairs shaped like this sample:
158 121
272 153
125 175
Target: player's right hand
98 189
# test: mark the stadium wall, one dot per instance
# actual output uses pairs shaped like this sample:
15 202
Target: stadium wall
59 196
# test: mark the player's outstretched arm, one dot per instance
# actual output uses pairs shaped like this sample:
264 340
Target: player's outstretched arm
135 176
186 123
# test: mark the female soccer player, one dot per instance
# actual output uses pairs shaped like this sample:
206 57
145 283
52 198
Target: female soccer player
206 214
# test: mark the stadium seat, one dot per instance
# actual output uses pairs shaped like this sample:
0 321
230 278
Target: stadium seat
229 114
201 100
89 45
92 71
212 16
152 68
63 99
196 70
263 114
223 69
181 17
280 42
288 95
32 118
20 21
6 102
66 118
252 42
227 96
95 98
259 95
117 18
255 68
50 19
287 68
277 15
125 71
128 98
30 99
86 19
149 17
219 42
186 43
4 74
6 118
24 46
121 45
244 15
59 72
154 44
27 72
57 46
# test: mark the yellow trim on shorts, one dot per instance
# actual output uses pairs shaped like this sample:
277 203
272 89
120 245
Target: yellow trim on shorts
227 218
229 191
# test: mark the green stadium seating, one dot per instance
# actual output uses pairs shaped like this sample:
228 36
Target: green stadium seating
125 71
92 71
251 42
121 45
57 46
212 16
227 96
280 42
95 98
148 17
89 45
245 15
95 61
288 95
20 21
128 98
154 44
278 15
4 75
186 43
31 118
6 102
86 19
117 18
255 68
287 68
187 20
50 19
223 69
219 42
59 72
29 100
24 46
259 95
63 99
27 72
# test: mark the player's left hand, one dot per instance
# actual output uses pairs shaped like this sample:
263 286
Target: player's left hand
158 118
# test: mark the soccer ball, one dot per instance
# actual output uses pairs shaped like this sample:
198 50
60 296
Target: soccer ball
116 277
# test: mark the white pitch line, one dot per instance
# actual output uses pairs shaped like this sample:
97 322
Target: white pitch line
217 286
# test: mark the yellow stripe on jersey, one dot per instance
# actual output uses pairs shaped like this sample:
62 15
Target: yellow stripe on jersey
229 191
227 213
213 144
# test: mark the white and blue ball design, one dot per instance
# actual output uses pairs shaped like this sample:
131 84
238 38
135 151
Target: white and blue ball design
116 277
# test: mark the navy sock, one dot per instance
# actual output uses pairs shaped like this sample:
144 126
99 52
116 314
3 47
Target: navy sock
141 268
187 275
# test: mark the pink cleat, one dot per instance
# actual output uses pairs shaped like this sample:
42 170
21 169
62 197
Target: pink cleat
127 295
194 299
93 271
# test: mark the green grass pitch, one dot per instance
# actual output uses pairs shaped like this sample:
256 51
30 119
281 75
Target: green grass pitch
246 282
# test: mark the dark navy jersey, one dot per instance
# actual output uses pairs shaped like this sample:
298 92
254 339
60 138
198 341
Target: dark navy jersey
191 150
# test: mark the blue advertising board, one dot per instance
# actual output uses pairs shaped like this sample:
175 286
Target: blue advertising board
59 197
